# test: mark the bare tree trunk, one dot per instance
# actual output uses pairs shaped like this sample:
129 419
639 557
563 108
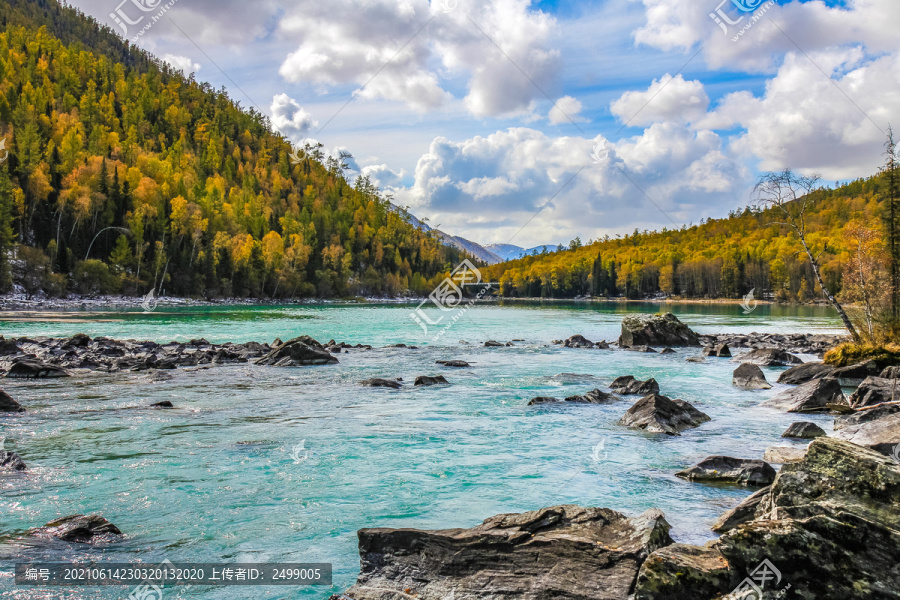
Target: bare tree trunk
837 305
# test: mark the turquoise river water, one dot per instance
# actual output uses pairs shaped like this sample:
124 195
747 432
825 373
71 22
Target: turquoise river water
214 480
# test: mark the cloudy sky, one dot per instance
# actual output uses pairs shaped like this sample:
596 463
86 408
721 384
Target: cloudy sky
509 121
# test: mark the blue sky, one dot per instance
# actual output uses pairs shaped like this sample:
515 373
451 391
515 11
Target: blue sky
455 118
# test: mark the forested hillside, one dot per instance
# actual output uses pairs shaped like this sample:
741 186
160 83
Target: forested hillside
719 258
123 175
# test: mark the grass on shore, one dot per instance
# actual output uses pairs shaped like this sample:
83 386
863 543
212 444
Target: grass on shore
851 353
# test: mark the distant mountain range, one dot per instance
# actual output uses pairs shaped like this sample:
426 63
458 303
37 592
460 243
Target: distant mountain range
492 254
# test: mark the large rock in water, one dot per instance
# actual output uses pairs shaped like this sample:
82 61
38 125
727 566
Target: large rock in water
591 397
805 372
875 390
35 369
812 396
578 341
749 377
86 529
563 552
768 357
10 461
804 431
656 330
658 414
881 434
829 525
298 352
8 404
730 470
629 386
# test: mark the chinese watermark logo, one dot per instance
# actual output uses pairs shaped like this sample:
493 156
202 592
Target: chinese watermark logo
749 304
449 5
752 587
296 452
601 152
756 7
123 19
5 154
598 454
298 156
448 298
150 302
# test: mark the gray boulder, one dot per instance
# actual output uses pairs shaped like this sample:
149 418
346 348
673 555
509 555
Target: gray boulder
854 374
726 469
812 396
881 434
563 552
782 455
591 397
768 357
875 390
298 352
8 404
804 431
629 386
85 529
578 341
457 364
493 344
858 417
35 369
656 330
658 414
750 377
890 373
10 461
378 382
805 372
428 380
829 526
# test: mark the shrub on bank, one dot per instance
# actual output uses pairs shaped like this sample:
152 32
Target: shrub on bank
852 353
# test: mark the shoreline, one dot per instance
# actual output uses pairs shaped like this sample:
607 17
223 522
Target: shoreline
18 302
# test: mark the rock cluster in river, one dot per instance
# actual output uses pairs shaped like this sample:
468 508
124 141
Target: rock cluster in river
827 526
795 343
656 330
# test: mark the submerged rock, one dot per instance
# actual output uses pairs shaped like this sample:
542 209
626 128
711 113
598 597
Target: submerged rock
720 351
875 390
163 404
427 380
768 357
578 341
750 377
377 382
10 461
629 386
591 397
659 414
805 372
35 369
86 529
812 396
656 330
492 344
730 470
8 404
563 552
804 431
298 352
640 349
458 364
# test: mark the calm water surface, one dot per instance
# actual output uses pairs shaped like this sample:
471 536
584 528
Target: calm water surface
215 481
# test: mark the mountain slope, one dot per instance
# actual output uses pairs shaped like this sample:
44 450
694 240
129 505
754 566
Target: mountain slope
722 258
124 175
